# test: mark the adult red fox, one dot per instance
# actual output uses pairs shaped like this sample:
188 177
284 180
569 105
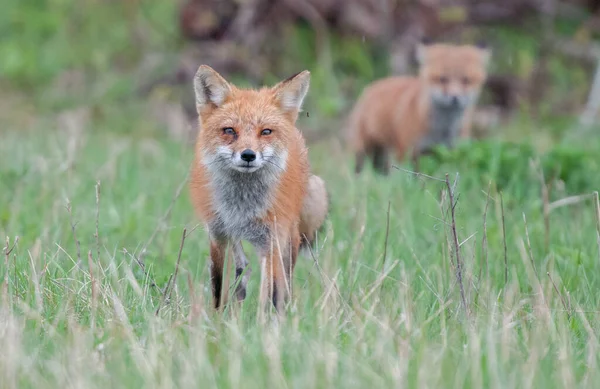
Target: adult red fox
250 179
404 114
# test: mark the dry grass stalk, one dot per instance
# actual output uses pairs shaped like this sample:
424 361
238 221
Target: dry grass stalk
571 200
484 248
8 249
562 300
504 241
455 242
74 232
597 208
97 234
529 250
387 233
164 218
170 285
94 285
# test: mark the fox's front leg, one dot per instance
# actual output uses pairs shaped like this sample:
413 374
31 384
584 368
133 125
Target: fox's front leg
217 259
278 266
242 270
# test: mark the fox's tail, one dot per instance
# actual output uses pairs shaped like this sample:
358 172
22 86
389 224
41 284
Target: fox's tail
314 211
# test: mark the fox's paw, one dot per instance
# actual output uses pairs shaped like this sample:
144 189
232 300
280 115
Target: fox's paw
241 277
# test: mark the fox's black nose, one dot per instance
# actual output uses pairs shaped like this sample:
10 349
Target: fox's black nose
248 155
455 100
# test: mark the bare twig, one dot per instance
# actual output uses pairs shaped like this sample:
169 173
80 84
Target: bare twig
387 233
529 250
77 244
455 241
97 235
173 278
504 240
562 300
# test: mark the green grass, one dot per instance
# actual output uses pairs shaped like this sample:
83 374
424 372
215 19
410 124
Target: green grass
357 320
73 318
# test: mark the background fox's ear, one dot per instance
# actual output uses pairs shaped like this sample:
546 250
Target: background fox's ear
421 53
210 88
486 52
291 92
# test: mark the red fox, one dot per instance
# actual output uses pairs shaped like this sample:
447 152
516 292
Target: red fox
412 114
251 179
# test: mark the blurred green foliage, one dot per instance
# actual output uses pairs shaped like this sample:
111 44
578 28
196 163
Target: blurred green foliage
43 38
103 44
510 164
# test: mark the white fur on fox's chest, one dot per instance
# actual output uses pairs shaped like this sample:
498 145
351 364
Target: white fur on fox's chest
444 126
241 201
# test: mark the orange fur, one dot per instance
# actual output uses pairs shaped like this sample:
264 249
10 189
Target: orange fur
314 211
279 202
404 114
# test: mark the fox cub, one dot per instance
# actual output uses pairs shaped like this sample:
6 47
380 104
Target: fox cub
251 179
412 114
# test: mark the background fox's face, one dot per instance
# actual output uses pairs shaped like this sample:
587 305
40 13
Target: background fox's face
453 74
247 130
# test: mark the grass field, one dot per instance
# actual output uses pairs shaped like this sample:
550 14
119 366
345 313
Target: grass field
91 296
84 314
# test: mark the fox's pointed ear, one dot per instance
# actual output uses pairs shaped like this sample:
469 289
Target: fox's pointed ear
210 88
291 92
421 52
486 52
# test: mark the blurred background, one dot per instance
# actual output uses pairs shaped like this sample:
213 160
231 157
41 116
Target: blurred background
125 67
102 56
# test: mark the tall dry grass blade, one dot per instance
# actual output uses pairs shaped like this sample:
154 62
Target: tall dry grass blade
459 275
484 248
74 232
94 286
164 218
529 250
597 207
504 241
171 284
97 234
562 300
387 233
571 200
8 249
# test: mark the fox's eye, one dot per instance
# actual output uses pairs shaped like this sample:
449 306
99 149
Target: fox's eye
443 79
228 131
266 131
466 80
